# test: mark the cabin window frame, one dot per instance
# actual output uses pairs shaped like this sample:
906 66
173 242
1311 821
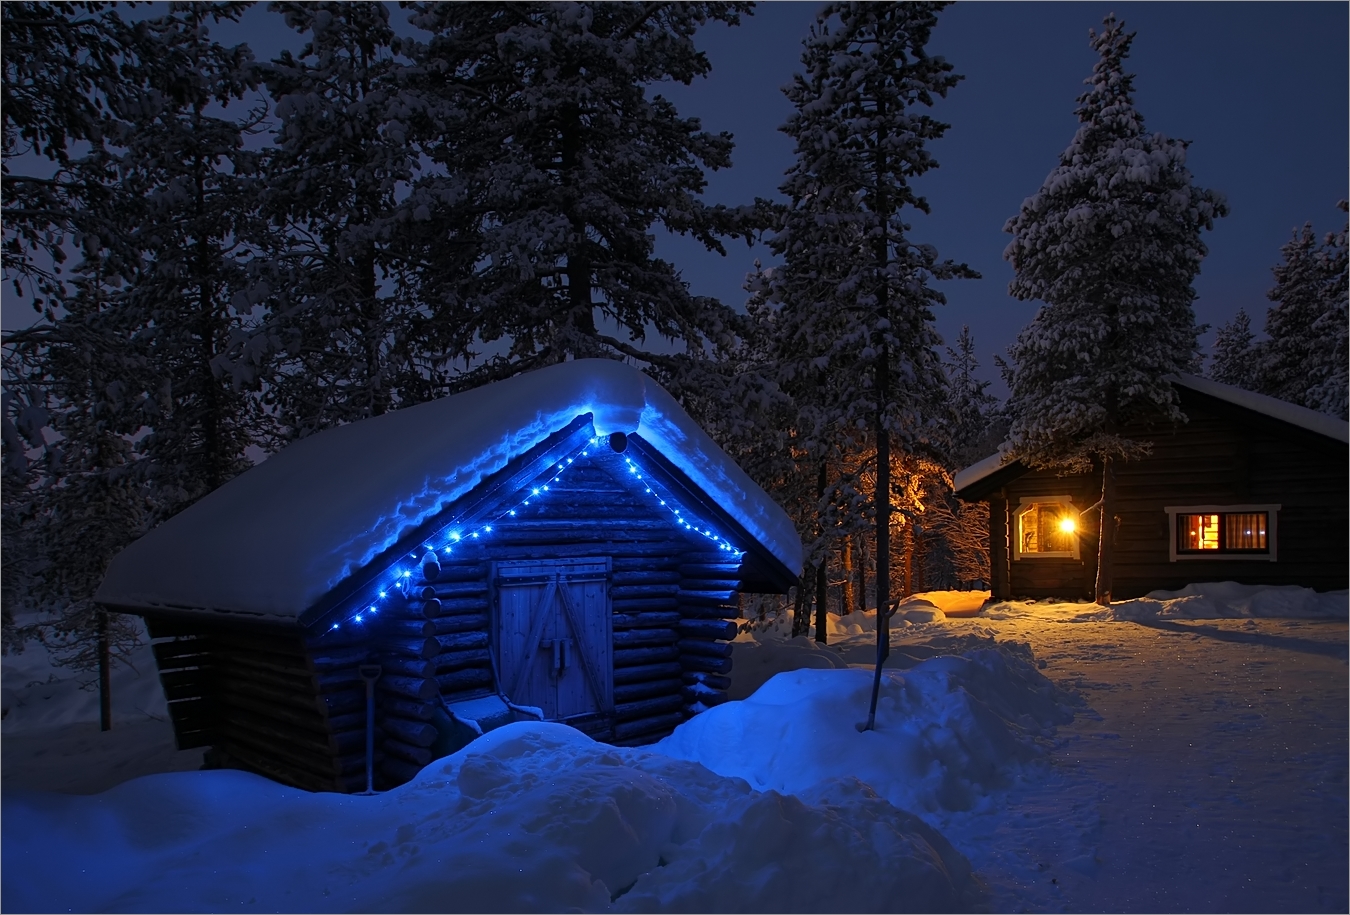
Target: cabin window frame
1024 503
1272 532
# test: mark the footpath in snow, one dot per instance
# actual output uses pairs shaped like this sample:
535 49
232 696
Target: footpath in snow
1184 754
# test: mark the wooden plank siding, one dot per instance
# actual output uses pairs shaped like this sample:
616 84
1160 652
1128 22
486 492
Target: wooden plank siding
1223 455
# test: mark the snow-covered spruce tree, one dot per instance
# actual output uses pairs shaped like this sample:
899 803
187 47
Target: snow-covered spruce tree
346 331
546 130
1330 388
1110 245
974 410
858 350
1303 361
1237 353
190 189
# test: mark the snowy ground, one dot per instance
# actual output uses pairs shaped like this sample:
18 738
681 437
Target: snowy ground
1186 753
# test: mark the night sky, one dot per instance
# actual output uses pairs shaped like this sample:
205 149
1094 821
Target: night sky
1259 88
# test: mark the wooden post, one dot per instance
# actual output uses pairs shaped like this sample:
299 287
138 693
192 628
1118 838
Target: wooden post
1106 532
104 673
822 583
862 573
370 673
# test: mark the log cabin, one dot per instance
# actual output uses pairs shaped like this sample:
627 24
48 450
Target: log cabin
565 545
1250 489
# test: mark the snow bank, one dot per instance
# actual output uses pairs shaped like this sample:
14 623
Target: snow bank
950 730
531 817
36 695
276 539
1204 601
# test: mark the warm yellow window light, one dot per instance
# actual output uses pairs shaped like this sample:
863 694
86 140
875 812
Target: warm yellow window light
1067 525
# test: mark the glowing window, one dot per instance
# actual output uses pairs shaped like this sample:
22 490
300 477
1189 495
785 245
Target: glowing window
1047 527
1223 532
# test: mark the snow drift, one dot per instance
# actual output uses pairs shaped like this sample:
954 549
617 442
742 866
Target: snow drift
1204 601
531 817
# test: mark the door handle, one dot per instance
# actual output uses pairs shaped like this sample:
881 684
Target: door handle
566 644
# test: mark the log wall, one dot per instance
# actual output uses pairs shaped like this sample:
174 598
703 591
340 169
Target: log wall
1222 456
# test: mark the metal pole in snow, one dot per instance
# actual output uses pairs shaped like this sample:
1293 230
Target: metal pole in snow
370 673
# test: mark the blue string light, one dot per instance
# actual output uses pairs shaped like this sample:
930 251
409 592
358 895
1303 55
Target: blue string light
454 533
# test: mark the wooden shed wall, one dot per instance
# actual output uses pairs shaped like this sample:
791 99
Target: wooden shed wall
1222 456
290 704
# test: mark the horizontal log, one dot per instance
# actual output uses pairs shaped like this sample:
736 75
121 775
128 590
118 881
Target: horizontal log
451 590
629 592
409 628
630 729
414 733
399 771
645 577
458 660
407 708
410 648
713 596
647 672
633 657
395 665
453 570
711 680
345 743
662 560
431 566
632 692
244 706
457 641
720 571
458 606
336 658
301 703
649 619
242 665
629 638
710 611
418 756
309 751
644 604
705 557
705 648
709 697
342 678
449 624
708 629
468 678
176 652
646 708
341 701
280 768
409 687
707 665
350 721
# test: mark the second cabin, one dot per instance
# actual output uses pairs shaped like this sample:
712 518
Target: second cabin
565 545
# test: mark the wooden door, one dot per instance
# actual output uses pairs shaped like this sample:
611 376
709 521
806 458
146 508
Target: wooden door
553 635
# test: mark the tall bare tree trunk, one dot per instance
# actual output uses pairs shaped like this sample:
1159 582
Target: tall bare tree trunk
822 583
1106 532
846 560
862 574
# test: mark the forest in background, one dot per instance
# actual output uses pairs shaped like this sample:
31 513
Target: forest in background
226 255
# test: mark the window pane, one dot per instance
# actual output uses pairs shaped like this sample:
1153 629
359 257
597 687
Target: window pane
1197 532
1246 531
1043 528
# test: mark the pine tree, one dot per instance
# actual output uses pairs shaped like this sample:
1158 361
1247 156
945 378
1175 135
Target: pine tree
1304 359
1329 389
853 292
348 333
1110 244
546 131
974 410
1237 353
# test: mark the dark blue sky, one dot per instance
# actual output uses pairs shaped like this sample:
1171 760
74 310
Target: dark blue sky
1259 88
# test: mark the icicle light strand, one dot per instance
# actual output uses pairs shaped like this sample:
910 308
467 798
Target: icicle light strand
454 533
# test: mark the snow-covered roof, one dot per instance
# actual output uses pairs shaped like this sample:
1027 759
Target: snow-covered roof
1273 407
977 472
280 536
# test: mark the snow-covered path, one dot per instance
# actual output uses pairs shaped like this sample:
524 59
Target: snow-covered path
1207 773
1220 749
